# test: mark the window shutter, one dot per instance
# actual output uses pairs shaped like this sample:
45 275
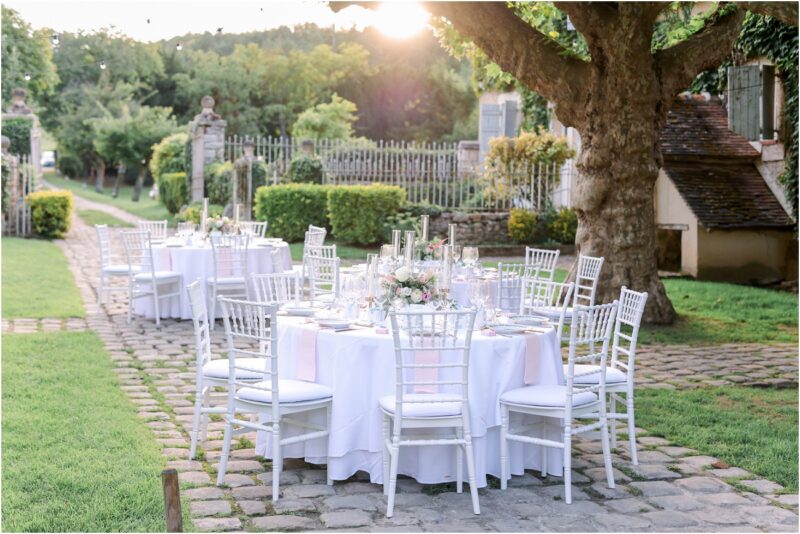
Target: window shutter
510 118
744 101
768 102
489 126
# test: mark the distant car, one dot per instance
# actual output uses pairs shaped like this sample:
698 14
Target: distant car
48 159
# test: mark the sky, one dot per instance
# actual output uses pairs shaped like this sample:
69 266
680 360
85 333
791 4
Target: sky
177 17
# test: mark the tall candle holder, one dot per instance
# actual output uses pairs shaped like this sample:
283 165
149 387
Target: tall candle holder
396 235
451 234
411 236
425 220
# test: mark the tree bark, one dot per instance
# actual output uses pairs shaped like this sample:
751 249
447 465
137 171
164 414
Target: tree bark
137 188
120 176
785 12
100 176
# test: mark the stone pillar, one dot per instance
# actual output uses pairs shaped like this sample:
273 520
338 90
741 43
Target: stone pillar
207 130
20 110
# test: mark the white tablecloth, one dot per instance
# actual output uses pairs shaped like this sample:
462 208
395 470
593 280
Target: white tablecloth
359 365
197 262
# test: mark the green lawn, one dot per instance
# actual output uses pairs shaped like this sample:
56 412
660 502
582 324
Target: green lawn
92 217
751 428
345 252
76 457
146 208
37 281
712 313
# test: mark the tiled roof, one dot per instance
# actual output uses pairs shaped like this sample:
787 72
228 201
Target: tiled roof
697 127
726 195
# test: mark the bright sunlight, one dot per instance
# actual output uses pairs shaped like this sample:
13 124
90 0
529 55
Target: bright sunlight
400 20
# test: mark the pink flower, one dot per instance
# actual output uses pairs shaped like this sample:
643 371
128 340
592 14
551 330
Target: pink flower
426 296
423 277
398 291
391 279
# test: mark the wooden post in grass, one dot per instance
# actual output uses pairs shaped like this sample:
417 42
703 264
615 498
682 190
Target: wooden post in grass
172 500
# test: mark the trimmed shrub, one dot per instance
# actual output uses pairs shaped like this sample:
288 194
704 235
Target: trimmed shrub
408 218
18 131
306 170
290 208
192 212
173 191
169 156
563 225
219 182
51 212
523 226
70 165
358 212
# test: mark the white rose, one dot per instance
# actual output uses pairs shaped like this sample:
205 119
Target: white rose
416 296
402 274
407 291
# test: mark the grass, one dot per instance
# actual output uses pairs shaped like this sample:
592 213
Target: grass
713 313
37 282
76 457
146 208
345 252
92 217
751 428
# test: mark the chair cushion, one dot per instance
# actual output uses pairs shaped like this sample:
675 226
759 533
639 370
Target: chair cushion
227 280
160 275
120 268
288 391
219 368
554 396
446 404
613 375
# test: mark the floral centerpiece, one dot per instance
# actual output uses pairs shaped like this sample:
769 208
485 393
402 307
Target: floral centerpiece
220 224
429 249
419 288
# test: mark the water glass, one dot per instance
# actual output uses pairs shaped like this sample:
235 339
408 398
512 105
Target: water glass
470 256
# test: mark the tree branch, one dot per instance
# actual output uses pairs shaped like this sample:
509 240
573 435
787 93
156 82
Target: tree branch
518 48
679 64
785 12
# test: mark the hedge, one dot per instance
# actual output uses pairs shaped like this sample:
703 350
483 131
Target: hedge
51 212
306 170
173 191
549 226
290 208
218 177
18 131
357 212
168 156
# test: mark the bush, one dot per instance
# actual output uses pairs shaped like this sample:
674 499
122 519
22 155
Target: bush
169 156
358 212
173 191
523 226
19 132
51 212
192 212
290 208
219 182
563 225
408 218
70 165
306 170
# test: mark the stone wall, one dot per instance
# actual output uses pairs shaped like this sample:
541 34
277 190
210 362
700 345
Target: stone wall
472 227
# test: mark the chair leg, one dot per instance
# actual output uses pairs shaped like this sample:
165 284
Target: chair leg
473 485
329 413
226 450
612 421
606 452
155 303
395 457
130 301
387 454
568 464
198 407
459 463
631 427
277 461
545 450
212 306
100 290
504 461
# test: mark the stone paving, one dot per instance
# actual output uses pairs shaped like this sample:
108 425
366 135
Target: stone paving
673 488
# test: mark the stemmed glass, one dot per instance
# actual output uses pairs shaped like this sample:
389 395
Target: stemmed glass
386 258
470 257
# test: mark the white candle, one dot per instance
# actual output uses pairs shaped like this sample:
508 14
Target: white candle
447 267
204 215
236 214
425 220
451 230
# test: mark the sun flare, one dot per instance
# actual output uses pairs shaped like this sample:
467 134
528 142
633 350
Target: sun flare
400 20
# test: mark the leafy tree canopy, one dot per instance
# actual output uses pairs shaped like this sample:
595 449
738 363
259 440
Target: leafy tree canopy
25 52
329 120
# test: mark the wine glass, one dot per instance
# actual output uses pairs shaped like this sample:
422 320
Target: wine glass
456 253
470 256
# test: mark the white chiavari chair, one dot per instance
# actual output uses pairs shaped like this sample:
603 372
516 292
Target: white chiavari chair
157 229
254 228
109 269
586 278
551 299
422 401
210 372
591 326
548 259
509 284
620 371
278 288
251 330
146 281
322 271
230 270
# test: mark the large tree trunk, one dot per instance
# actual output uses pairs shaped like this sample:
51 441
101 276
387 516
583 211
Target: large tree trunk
100 176
137 188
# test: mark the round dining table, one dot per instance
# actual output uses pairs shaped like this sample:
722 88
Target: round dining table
195 261
359 366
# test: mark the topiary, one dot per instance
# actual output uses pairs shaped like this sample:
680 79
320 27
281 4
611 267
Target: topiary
173 191
51 213
219 182
523 226
18 130
306 170
169 155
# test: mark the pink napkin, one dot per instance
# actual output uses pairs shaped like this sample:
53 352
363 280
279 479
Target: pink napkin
426 374
532 351
307 357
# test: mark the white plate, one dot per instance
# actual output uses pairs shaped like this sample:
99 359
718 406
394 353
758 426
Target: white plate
508 329
529 320
299 311
336 324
